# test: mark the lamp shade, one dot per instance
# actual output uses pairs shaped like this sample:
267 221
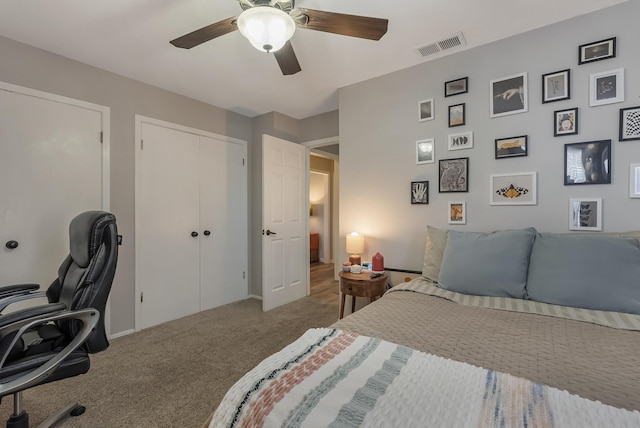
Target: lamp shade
355 243
266 27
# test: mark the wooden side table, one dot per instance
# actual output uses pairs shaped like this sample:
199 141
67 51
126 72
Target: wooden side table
361 285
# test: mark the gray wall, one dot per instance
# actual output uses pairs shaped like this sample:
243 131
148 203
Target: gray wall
379 128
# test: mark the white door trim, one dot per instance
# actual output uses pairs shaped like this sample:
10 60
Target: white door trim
139 120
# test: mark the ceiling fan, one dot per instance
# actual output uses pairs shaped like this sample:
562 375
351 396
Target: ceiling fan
269 24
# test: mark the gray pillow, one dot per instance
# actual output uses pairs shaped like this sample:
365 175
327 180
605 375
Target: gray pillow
586 271
487 264
433 251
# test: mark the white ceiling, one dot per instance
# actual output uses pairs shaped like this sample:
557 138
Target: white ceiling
131 38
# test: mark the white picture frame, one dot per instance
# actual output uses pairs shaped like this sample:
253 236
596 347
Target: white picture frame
634 180
585 214
457 212
460 141
606 87
508 95
518 188
425 151
426 110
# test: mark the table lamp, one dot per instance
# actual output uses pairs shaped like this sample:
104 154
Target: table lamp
355 246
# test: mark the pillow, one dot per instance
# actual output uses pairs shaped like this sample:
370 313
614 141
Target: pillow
586 271
487 264
433 251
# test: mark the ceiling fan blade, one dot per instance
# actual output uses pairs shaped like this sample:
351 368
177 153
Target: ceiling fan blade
287 59
346 25
205 34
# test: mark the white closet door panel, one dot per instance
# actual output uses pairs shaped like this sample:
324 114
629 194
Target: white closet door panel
50 170
222 207
168 201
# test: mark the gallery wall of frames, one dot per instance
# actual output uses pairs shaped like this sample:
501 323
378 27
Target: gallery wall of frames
541 129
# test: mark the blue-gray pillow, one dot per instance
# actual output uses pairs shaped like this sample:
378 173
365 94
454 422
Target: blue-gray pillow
487 264
586 271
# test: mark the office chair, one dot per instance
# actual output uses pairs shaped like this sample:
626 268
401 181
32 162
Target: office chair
46 343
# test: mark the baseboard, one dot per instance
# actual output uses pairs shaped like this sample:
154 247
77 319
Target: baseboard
122 333
253 296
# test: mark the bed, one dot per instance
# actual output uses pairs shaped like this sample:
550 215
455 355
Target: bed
428 355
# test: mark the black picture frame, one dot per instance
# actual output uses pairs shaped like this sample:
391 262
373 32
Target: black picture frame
511 147
587 163
629 123
456 87
597 51
556 86
419 193
565 122
453 175
457 115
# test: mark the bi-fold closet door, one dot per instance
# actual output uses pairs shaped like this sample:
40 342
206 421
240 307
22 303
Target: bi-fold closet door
191 228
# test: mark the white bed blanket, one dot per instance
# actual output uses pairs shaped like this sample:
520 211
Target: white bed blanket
332 378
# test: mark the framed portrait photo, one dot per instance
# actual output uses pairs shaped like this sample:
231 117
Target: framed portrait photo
585 214
425 110
597 51
606 87
419 192
453 175
634 180
455 87
587 163
425 151
508 95
461 141
565 122
513 189
556 86
511 147
456 115
457 212
630 123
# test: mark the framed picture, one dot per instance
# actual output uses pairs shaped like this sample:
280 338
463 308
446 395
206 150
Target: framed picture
634 180
508 95
455 87
587 163
457 212
425 110
630 123
453 175
511 147
460 141
585 214
425 151
420 192
565 122
556 86
596 51
513 189
456 115
606 87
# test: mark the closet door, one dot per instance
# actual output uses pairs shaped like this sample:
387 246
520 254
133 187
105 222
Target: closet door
223 239
167 214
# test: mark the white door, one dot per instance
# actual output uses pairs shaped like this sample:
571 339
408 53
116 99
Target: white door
191 227
223 240
51 169
285 220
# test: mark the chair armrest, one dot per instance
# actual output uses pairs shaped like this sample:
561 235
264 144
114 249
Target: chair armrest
89 318
11 321
12 290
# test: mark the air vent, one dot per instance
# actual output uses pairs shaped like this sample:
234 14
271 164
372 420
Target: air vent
441 45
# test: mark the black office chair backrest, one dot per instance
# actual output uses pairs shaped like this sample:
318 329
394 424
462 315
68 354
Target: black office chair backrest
85 277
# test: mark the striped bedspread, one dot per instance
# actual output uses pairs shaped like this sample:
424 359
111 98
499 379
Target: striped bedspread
332 378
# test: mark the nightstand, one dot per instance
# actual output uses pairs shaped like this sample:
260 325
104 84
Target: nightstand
361 285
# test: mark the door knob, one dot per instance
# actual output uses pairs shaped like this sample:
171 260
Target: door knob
207 232
270 232
194 234
12 245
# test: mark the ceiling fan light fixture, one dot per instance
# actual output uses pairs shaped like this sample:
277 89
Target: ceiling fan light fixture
266 27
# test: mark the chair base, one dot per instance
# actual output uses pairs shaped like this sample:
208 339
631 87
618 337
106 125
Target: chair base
22 420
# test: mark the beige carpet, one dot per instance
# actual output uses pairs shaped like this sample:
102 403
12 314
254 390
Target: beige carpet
175 374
